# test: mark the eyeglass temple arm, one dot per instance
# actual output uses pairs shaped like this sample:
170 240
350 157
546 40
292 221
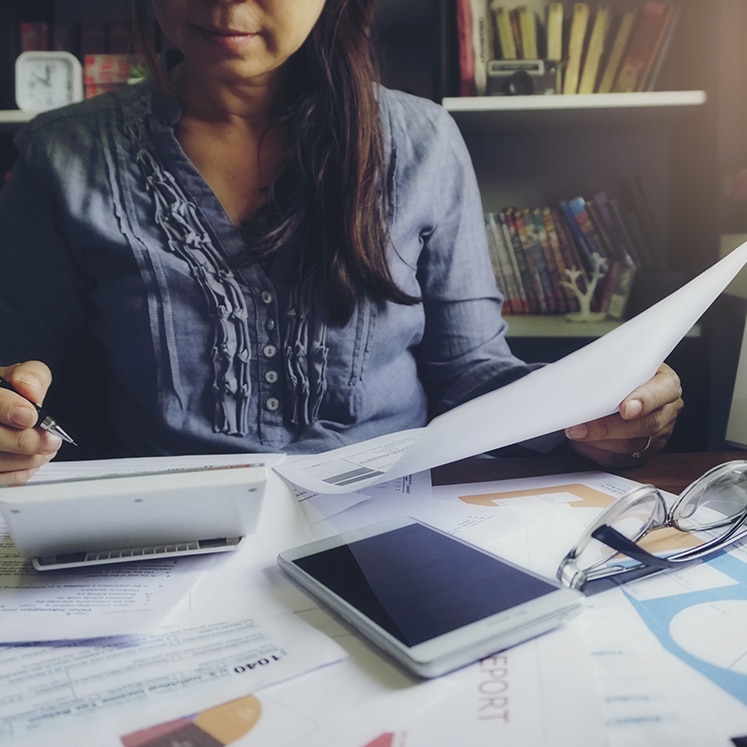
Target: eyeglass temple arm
612 538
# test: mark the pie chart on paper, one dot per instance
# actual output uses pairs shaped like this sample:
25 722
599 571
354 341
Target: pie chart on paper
725 646
215 727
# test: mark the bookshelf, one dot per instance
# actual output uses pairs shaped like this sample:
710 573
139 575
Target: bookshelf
680 142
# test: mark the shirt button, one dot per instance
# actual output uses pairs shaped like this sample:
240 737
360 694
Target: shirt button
270 324
269 351
272 404
266 297
271 376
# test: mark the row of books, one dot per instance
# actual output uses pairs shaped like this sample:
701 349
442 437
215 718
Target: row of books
594 47
540 254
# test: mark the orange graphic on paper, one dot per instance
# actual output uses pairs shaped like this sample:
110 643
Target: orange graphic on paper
587 497
229 721
660 541
223 725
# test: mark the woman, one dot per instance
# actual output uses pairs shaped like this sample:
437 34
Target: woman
258 250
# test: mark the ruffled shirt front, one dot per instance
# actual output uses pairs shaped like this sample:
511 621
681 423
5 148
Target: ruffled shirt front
117 268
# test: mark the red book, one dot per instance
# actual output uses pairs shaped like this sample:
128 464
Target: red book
651 20
466 49
34 36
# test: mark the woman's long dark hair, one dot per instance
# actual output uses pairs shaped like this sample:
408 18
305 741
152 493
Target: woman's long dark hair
331 198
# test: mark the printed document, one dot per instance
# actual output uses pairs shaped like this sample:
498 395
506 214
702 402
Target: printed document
587 384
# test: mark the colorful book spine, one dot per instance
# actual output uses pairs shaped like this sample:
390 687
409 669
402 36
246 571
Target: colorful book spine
499 269
571 260
527 280
514 262
553 288
508 281
550 231
536 261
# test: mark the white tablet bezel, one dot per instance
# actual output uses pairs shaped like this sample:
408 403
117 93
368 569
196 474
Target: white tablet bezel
458 647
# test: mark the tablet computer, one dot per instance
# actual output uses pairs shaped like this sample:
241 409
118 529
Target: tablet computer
428 599
78 522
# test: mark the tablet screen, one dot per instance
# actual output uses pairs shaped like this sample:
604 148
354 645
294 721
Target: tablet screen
418 583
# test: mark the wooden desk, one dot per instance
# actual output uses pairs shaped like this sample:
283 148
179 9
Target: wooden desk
671 472
674 472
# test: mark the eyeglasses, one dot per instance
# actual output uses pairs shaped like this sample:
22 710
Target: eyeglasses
712 512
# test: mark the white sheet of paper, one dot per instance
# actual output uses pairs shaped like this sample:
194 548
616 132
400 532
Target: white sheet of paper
587 384
84 603
86 694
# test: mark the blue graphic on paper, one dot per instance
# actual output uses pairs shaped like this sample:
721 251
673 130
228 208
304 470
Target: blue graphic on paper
722 607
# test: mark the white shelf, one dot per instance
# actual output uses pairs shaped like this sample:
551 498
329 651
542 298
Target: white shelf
530 325
575 112
12 119
548 325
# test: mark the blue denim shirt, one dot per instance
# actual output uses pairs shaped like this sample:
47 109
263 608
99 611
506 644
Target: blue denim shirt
115 269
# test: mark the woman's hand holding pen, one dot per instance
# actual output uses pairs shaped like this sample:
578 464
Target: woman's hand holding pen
24 447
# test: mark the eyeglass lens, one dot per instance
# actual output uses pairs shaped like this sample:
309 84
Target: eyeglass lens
718 499
633 516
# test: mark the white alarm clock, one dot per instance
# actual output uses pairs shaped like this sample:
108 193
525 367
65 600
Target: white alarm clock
46 80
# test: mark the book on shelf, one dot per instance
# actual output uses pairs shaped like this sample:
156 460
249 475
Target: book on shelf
529 281
571 257
104 72
447 77
524 300
640 54
504 32
590 244
503 267
638 216
34 36
622 267
659 55
465 46
614 232
482 43
564 259
595 49
576 46
535 260
528 32
553 262
620 37
554 32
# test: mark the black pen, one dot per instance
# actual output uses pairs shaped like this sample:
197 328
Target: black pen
45 420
